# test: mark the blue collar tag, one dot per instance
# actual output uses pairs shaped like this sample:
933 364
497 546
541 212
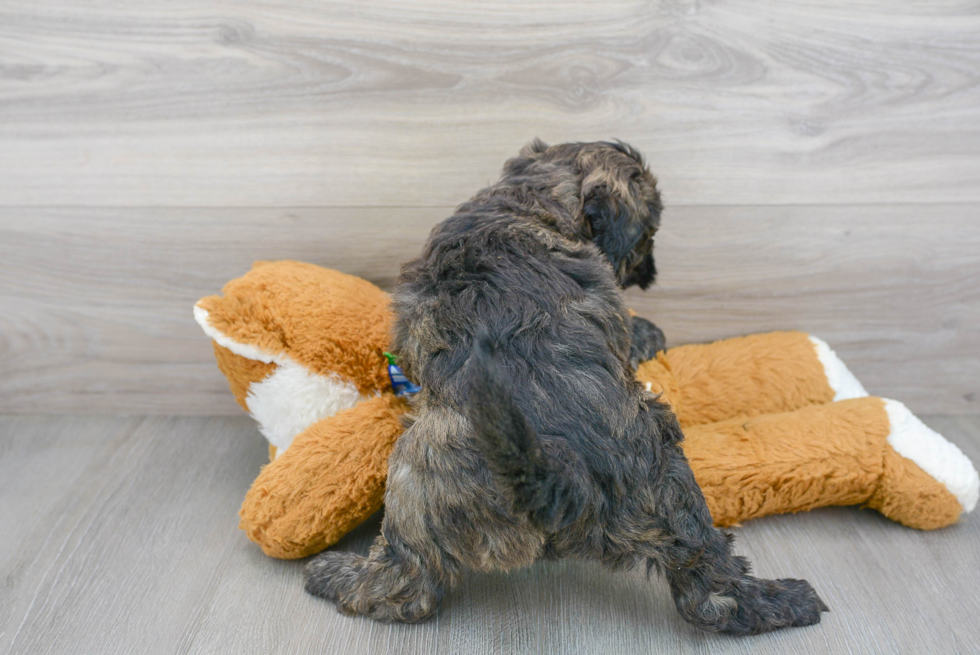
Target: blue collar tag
401 385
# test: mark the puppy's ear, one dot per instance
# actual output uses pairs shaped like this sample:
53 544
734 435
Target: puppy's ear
534 147
529 154
612 227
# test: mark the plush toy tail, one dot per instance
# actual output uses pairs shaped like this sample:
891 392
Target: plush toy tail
538 483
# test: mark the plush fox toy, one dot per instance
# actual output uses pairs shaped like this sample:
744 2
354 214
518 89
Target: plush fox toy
773 423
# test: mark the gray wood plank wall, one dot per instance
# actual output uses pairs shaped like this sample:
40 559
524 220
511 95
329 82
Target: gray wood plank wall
820 162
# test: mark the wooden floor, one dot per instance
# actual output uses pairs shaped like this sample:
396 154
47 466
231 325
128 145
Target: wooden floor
119 536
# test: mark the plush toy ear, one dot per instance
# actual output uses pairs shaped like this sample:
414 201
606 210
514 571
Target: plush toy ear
328 322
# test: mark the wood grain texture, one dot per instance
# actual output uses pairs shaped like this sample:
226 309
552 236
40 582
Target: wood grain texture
321 103
97 302
127 542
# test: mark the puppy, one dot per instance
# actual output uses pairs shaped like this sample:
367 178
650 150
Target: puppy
532 437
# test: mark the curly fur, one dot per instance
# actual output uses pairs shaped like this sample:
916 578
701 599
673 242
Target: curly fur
531 436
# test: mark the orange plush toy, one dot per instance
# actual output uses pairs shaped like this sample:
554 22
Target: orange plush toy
773 423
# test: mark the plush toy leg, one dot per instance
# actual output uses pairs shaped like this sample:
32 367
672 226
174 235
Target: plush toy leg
748 376
917 457
330 479
862 451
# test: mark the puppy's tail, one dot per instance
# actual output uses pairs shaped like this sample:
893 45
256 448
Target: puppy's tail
546 489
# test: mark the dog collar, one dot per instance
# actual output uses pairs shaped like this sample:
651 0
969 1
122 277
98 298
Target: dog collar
400 384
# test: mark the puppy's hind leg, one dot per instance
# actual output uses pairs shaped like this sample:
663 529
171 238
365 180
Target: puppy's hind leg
710 585
390 584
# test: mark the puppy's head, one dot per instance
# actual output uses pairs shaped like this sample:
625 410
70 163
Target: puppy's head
616 200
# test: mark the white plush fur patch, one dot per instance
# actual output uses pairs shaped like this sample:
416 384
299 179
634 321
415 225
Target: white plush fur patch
290 399
914 440
839 377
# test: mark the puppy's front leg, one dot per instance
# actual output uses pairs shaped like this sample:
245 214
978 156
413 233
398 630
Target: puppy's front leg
647 340
391 584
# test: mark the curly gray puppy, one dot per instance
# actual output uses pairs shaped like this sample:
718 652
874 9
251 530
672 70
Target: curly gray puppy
532 438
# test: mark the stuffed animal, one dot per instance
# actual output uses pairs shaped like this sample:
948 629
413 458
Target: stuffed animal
773 423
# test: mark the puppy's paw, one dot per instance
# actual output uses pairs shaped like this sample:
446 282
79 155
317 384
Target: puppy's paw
764 605
647 340
331 573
